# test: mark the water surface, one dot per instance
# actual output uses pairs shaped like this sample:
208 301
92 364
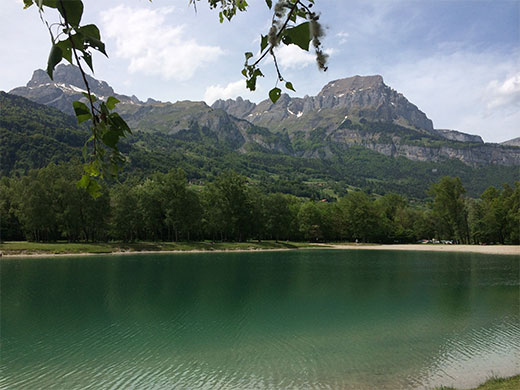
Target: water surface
271 320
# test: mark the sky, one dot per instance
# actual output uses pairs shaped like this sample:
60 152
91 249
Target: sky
457 60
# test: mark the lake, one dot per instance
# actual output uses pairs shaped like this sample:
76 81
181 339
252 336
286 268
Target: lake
315 319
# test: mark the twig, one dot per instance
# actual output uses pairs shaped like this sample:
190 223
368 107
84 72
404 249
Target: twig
83 75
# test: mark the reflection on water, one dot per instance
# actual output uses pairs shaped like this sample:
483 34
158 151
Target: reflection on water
274 320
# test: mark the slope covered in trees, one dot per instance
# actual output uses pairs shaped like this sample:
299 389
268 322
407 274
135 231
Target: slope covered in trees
34 135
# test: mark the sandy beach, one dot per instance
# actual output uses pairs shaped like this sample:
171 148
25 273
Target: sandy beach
484 249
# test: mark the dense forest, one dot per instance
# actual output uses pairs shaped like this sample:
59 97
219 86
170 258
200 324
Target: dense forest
46 205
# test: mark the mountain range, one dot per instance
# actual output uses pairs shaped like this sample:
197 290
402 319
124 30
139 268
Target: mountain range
349 119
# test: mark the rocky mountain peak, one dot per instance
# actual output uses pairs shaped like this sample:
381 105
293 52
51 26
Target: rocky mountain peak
66 87
352 84
70 76
239 108
357 97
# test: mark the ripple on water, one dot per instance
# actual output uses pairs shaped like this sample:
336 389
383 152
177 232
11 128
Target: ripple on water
344 320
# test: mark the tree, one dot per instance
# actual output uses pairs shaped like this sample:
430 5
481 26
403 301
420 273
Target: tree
10 228
125 214
310 221
49 206
362 217
278 216
293 23
449 209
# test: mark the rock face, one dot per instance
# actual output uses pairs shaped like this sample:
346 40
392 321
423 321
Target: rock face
355 97
455 135
512 142
475 155
361 111
66 87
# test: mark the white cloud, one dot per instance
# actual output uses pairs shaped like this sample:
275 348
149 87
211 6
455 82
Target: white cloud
504 93
293 57
229 91
153 47
343 37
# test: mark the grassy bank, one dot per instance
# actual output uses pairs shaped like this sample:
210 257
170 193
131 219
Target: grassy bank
39 248
512 383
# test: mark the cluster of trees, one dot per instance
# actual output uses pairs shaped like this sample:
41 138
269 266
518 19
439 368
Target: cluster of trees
46 205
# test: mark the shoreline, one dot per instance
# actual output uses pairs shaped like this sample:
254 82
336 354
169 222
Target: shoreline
146 252
481 249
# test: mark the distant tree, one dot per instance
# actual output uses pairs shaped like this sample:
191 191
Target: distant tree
151 209
49 206
278 216
125 216
495 217
10 227
229 208
512 205
310 222
449 209
362 217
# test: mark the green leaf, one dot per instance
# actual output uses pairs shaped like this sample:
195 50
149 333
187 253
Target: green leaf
87 57
110 138
289 85
264 41
83 182
111 102
119 122
71 11
248 55
48 3
92 37
82 112
92 168
251 81
90 184
96 44
274 94
66 49
55 57
269 3
27 3
90 30
299 35
91 98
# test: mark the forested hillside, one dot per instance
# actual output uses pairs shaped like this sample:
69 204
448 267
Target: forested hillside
34 135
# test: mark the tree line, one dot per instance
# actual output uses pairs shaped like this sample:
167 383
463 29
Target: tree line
46 205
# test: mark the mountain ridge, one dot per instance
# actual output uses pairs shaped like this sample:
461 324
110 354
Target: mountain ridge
355 111
33 135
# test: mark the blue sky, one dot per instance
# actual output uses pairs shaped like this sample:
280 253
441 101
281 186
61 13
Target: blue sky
457 60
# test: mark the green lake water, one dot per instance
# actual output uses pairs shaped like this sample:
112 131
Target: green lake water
271 320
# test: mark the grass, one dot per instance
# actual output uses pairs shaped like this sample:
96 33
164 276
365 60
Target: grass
29 248
494 383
